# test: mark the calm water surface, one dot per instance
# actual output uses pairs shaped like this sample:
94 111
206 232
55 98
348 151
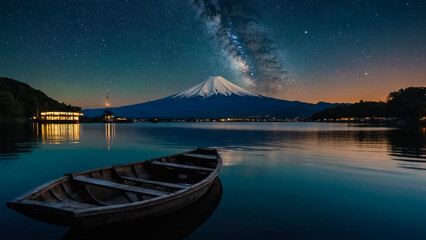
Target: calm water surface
279 180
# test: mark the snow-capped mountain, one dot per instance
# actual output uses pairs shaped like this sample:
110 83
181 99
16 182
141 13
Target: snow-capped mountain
214 86
214 98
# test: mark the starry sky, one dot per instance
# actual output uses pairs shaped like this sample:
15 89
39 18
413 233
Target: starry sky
306 50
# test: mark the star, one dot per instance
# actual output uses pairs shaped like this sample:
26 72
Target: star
142 43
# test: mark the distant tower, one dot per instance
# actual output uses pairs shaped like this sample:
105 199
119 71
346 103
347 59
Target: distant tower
107 100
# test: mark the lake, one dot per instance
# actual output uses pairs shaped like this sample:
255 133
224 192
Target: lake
279 180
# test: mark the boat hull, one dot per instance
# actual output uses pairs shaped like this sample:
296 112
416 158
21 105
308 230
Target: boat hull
175 225
58 202
141 211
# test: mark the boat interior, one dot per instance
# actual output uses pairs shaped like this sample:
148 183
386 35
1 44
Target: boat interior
129 183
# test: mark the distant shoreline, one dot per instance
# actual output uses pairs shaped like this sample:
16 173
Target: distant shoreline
399 123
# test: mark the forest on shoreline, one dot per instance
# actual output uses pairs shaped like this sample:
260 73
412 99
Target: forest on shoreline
20 101
408 103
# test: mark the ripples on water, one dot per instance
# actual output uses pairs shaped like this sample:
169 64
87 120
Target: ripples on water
406 146
303 180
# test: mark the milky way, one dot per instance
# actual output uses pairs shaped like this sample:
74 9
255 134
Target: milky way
335 51
246 46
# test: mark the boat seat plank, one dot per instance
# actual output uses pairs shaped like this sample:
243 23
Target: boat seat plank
183 166
119 186
172 185
204 156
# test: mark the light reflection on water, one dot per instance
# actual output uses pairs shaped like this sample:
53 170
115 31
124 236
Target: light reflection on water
57 133
109 134
304 180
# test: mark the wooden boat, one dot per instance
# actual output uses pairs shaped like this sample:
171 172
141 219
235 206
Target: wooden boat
176 225
123 192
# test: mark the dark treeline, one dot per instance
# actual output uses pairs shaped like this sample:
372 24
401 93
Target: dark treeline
20 100
408 103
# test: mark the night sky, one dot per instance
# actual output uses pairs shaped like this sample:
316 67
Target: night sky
335 51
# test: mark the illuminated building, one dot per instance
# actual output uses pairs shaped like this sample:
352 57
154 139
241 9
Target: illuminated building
109 118
58 117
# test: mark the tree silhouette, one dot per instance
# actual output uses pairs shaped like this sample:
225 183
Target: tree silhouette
405 103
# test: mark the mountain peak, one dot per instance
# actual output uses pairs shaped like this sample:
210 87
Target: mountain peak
214 86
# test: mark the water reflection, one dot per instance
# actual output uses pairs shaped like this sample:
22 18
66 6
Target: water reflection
109 134
176 225
312 180
408 148
56 133
15 138
371 144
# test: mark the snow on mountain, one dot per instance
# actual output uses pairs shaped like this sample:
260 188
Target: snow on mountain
214 98
214 86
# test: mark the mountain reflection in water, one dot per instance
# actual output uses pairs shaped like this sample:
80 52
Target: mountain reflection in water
406 146
294 180
176 225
